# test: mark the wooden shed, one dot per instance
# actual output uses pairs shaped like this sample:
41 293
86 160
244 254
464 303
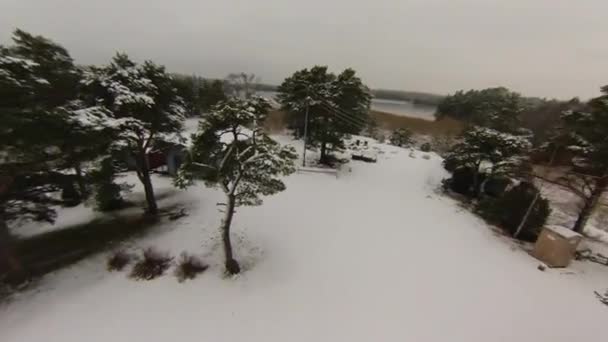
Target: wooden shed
556 246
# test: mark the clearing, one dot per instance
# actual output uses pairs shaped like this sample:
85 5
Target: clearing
375 254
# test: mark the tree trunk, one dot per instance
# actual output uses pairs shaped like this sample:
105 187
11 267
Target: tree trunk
475 190
149 190
9 262
481 190
84 193
589 205
232 266
583 217
323 158
144 177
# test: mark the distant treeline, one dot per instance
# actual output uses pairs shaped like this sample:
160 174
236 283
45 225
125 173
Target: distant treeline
399 95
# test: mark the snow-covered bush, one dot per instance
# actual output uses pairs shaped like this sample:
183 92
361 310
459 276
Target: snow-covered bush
189 266
153 264
508 211
401 137
496 186
426 147
461 182
118 260
484 150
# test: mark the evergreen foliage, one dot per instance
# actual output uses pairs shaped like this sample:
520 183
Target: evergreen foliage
583 133
108 195
496 108
145 110
337 105
40 126
199 95
499 153
508 211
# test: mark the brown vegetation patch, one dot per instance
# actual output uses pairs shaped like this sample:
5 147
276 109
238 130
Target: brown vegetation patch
277 121
446 126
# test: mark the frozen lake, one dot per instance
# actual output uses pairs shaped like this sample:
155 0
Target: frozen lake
403 108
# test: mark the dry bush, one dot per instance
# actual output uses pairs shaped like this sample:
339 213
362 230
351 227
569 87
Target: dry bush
152 265
189 266
442 143
118 260
276 121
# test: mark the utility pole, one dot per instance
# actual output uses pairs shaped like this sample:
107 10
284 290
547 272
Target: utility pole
306 128
534 200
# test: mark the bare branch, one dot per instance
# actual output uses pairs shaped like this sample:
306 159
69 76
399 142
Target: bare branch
568 186
240 155
207 166
228 153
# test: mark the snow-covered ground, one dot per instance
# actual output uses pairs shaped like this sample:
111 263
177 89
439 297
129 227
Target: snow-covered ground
375 254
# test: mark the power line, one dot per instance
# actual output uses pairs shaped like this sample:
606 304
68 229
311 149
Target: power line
344 112
344 120
354 121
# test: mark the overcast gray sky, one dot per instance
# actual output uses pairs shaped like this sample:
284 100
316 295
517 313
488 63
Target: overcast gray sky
552 48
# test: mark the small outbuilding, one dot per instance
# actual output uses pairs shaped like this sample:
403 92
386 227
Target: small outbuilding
556 246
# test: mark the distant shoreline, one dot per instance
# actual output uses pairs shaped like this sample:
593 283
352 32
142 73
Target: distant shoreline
414 97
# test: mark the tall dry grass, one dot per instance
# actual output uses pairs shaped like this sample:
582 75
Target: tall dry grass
390 122
277 121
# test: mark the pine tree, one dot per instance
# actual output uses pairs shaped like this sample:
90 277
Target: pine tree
336 105
210 94
496 108
231 151
503 153
187 87
583 134
38 82
145 109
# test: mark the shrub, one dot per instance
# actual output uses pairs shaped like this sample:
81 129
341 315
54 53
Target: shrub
462 181
508 211
450 164
380 138
496 186
426 147
153 264
118 260
401 137
189 267
442 143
